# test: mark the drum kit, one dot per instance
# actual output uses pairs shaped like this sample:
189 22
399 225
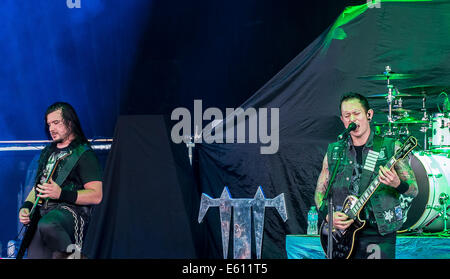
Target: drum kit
429 211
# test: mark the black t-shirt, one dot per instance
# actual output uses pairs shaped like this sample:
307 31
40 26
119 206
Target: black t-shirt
357 170
359 150
87 169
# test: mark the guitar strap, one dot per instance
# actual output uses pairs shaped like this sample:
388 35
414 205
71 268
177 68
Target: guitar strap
70 162
370 163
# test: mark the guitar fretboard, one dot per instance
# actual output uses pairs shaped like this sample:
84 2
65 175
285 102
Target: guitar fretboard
365 196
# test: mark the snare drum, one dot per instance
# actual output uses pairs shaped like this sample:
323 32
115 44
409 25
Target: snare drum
432 173
441 131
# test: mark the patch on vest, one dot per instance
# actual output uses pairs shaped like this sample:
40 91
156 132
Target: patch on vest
382 155
371 160
398 213
388 215
335 153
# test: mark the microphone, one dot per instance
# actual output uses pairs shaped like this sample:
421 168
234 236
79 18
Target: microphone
347 131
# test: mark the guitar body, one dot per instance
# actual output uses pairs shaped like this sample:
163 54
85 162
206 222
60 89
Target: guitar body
343 240
35 214
29 233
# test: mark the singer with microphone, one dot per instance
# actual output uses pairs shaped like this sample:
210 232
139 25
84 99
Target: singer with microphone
360 156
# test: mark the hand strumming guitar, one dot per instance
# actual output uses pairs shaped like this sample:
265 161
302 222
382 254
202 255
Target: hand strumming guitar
341 220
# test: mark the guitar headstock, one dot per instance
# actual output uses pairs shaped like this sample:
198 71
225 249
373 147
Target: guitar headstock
407 147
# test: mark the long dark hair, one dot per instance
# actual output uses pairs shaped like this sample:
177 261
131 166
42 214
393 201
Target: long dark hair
70 119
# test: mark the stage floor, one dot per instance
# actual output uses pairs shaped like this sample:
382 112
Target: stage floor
408 247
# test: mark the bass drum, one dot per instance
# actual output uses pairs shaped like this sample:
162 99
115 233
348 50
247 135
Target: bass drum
432 173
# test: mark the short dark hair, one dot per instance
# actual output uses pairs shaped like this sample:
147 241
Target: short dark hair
353 95
70 119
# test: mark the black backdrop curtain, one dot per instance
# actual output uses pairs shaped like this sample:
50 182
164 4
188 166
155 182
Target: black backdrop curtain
409 36
150 201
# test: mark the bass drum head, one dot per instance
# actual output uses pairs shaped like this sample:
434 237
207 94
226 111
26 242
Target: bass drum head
419 203
432 173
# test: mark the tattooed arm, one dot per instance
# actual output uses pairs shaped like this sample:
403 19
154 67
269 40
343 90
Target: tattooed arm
406 174
340 220
322 183
402 176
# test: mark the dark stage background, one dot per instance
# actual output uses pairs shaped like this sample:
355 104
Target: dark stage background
112 58
410 37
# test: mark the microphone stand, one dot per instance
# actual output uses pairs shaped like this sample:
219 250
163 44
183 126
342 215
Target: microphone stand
330 200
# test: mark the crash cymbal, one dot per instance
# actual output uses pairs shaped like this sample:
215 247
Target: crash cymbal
403 121
380 123
390 75
410 120
424 89
396 95
401 110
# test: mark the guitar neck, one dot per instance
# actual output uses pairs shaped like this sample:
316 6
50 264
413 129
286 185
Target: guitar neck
373 186
52 170
36 202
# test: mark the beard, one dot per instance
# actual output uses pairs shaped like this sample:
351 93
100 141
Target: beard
60 137
58 140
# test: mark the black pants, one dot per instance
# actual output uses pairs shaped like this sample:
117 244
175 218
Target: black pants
55 232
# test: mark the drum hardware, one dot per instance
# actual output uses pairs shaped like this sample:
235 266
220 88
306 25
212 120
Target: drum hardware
431 164
433 177
390 97
400 121
404 121
388 75
443 200
441 132
393 96
396 95
410 120
424 129
424 90
401 110
446 103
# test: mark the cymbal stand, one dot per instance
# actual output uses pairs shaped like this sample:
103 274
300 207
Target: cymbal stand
389 98
425 117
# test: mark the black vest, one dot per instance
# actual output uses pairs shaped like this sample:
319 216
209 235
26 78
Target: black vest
384 203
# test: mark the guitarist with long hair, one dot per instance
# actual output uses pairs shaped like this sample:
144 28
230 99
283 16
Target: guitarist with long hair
69 180
362 157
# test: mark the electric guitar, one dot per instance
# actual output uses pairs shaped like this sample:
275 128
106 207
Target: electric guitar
343 240
34 215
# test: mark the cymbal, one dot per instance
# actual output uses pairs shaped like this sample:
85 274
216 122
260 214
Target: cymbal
402 121
401 110
391 76
396 95
410 120
424 89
